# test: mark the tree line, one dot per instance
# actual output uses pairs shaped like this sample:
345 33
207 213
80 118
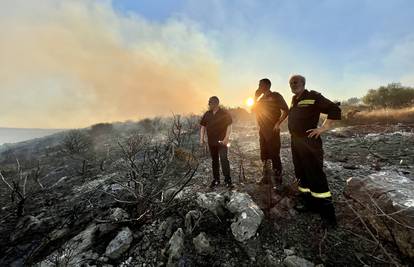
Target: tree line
394 95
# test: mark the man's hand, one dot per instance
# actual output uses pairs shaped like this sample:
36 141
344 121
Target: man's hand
276 128
315 132
202 142
258 93
224 142
327 125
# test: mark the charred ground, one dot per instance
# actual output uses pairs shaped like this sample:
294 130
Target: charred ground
60 185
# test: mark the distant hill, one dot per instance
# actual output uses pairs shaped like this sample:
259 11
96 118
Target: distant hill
13 135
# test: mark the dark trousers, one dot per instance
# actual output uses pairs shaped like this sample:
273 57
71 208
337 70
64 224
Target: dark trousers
270 148
219 155
307 155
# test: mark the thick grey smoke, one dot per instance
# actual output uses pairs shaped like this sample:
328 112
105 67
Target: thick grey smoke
75 63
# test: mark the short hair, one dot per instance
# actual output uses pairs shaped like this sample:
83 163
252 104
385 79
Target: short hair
300 77
215 99
266 81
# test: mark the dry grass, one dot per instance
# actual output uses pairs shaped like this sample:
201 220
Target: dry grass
383 116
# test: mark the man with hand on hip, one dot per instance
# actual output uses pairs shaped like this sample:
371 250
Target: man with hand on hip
307 151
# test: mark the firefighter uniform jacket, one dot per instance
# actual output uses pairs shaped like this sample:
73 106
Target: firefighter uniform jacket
305 111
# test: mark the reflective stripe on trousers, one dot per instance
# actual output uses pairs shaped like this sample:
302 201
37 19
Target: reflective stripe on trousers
317 195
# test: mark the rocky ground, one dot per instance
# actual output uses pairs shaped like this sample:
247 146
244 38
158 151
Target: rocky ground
73 219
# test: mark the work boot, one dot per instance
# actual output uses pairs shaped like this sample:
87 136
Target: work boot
229 184
277 178
305 203
214 184
327 213
265 173
329 223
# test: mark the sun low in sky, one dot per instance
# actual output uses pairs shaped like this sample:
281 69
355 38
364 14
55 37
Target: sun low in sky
250 102
67 64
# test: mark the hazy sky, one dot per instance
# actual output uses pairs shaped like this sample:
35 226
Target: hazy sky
74 63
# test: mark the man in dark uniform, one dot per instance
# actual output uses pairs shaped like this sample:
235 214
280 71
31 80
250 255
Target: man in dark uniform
307 152
217 122
271 110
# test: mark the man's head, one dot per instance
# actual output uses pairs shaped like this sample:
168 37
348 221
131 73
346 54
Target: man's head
264 85
213 102
297 84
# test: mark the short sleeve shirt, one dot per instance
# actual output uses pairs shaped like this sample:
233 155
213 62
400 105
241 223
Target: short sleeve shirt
268 110
216 125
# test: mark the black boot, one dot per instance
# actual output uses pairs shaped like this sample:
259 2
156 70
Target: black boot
228 182
277 178
327 212
214 183
305 203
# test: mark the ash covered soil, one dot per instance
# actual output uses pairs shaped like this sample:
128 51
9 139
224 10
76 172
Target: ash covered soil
67 199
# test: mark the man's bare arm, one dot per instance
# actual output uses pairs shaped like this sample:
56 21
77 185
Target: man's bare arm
334 113
281 120
203 135
328 124
227 137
